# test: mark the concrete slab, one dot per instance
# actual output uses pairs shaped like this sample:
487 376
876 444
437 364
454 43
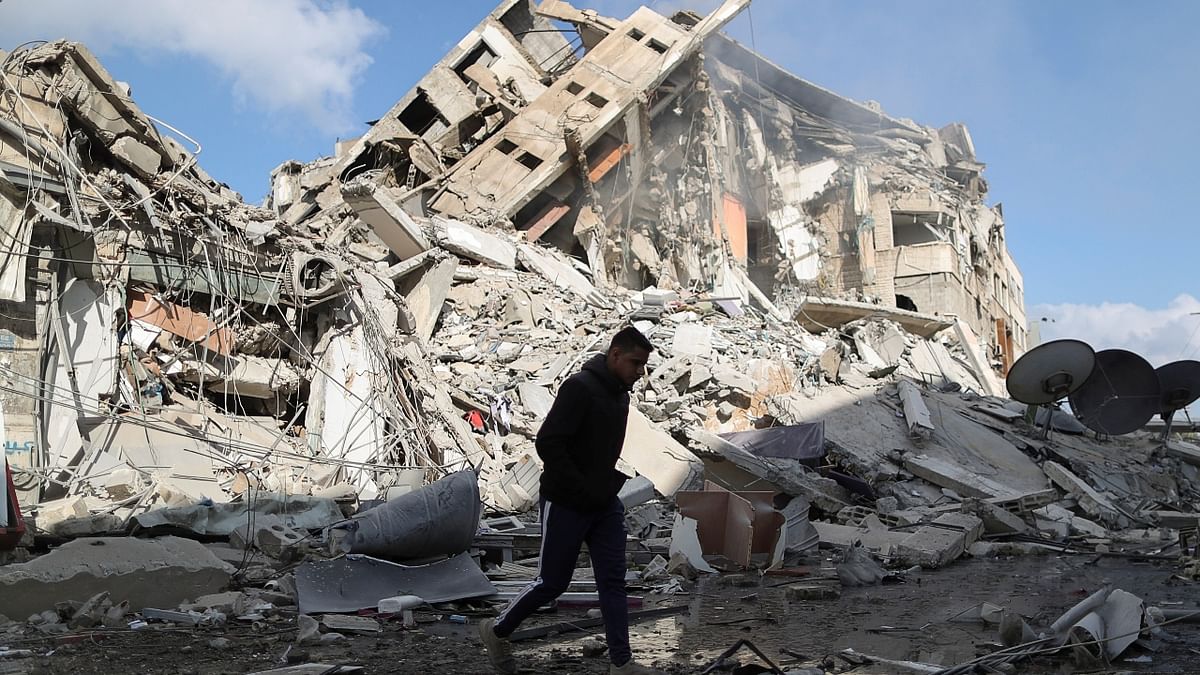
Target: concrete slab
354 582
878 541
1183 450
428 294
949 475
559 273
159 572
471 242
819 314
1089 499
536 399
694 339
394 227
983 370
659 457
257 377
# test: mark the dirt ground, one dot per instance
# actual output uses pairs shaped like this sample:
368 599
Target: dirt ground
905 621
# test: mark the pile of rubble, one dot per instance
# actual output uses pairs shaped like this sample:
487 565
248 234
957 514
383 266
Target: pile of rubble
338 392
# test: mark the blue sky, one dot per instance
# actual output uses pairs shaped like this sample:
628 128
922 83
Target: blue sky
1083 112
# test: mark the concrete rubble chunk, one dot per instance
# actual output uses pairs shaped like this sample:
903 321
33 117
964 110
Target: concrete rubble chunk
996 520
145 572
970 525
916 413
879 541
1089 499
229 603
136 155
96 523
858 568
932 547
51 513
351 624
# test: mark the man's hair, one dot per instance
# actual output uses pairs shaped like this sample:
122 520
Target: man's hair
628 339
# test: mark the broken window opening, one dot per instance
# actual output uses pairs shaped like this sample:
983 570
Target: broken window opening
762 262
232 404
596 100
636 35
529 160
574 88
482 55
420 116
506 146
368 160
905 302
657 46
911 229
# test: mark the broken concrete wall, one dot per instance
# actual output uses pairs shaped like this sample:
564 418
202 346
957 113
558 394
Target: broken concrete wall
143 572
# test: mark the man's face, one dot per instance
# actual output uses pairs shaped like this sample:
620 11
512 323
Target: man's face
628 366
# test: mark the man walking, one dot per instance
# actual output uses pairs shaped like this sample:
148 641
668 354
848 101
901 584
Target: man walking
579 443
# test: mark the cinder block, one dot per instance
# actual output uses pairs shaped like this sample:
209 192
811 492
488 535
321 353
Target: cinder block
268 534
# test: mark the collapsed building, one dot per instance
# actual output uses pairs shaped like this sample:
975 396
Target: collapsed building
657 153
404 310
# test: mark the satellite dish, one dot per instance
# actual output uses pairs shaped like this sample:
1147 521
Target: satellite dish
1180 381
1120 396
1048 373
1051 371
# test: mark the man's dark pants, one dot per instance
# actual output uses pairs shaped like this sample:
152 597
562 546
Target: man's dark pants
564 531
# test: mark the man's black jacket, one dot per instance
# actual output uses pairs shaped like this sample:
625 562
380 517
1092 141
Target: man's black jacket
581 438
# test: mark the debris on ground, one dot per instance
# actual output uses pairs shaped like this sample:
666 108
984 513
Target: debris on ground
315 417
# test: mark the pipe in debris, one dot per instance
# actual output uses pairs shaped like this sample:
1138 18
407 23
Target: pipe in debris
1072 616
438 519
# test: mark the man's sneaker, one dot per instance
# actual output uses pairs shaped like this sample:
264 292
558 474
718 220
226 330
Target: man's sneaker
632 667
499 650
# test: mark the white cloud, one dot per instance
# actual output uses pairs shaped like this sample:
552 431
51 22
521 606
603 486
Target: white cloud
283 56
1160 335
